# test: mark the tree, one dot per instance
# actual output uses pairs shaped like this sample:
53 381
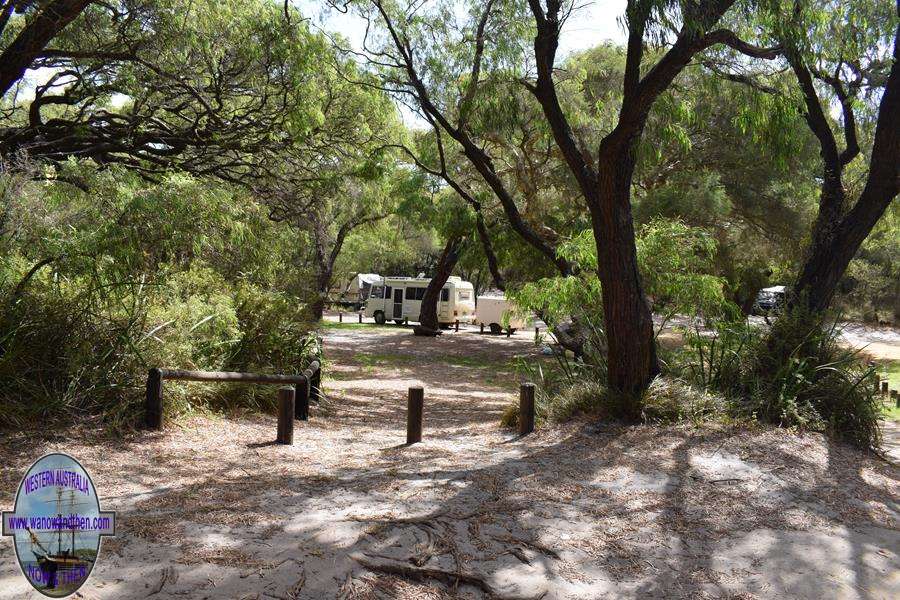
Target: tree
207 87
428 318
41 23
431 86
606 181
837 48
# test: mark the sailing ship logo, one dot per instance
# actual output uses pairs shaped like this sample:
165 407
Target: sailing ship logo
56 525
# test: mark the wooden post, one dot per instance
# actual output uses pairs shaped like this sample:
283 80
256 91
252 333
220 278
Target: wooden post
526 408
537 334
301 401
895 398
285 415
884 389
414 408
315 385
508 331
360 317
340 317
457 325
406 321
153 404
482 329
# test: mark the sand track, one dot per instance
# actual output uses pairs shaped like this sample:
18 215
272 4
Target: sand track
210 508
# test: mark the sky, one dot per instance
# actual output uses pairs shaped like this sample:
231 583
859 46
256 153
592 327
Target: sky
594 22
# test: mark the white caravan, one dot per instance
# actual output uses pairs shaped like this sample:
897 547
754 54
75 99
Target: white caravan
498 313
400 298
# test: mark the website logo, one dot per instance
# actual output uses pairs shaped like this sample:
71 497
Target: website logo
56 525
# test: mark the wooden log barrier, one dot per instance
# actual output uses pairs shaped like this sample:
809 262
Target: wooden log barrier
153 403
285 415
415 405
526 408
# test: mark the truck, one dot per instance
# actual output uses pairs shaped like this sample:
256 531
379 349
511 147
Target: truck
400 299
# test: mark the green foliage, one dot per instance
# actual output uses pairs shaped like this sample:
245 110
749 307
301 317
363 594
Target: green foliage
180 274
797 374
674 260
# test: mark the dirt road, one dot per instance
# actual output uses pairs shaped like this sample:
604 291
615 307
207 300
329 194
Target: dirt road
211 508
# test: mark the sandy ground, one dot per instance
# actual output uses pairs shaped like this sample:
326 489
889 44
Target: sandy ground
210 508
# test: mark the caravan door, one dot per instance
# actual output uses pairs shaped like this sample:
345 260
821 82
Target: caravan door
398 303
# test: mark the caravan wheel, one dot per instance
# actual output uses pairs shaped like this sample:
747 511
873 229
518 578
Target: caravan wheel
496 329
379 317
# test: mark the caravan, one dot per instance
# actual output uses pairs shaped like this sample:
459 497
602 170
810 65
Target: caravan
400 298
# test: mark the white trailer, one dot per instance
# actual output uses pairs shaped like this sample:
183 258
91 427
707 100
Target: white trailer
498 313
400 298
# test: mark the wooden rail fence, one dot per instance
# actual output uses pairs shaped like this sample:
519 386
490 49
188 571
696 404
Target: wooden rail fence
307 386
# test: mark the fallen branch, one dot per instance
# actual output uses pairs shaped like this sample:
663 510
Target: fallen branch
391 566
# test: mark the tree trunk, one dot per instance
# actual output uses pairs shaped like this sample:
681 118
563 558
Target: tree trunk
493 263
30 41
428 314
838 234
323 285
629 325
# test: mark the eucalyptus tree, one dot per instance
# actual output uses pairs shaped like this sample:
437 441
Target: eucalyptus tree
204 86
446 68
338 176
845 54
421 56
27 27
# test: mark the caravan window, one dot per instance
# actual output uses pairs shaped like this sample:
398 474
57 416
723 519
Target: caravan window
445 295
415 293
387 292
465 295
376 292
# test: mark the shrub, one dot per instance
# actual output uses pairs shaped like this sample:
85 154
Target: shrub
671 400
799 375
119 288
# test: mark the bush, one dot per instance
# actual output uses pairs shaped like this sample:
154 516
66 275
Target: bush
672 400
97 288
799 375
795 375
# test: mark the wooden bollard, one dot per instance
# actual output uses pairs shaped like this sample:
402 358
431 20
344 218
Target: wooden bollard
301 400
526 408
360 317
456 328
884 389
482 329
315 386
508 331
415 405
153 403
340 317
285 415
